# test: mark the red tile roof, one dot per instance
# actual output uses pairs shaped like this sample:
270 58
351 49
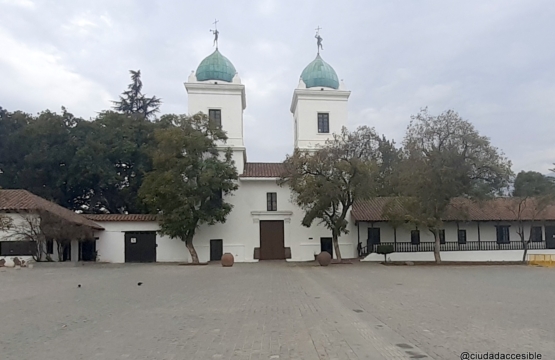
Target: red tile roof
271 170
499 209
23 200
121 217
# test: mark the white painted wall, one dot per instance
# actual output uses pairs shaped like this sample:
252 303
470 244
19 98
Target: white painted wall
230 99
240 233
306 105
466 256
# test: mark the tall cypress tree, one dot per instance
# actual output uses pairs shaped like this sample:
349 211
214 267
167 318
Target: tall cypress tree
134 102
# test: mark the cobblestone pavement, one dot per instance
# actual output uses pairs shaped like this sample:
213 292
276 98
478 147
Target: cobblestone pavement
275 310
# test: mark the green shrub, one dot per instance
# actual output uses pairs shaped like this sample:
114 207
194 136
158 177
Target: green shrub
385 250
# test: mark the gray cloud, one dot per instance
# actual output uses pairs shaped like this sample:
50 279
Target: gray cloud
491 60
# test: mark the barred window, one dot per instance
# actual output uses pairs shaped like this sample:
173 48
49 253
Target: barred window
461 236
271 201
323 123
442 236
415 237
503 236
537 233
215 115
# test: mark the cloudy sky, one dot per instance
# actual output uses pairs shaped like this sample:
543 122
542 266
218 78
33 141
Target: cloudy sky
493 61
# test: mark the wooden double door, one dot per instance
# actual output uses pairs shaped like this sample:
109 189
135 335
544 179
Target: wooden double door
272 241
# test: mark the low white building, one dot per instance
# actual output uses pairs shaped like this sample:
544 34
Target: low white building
22 211
472 231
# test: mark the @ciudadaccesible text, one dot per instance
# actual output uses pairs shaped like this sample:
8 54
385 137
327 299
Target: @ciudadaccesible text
500 356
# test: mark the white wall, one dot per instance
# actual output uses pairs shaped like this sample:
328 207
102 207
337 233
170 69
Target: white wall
230 99
306 105
240 233
463 256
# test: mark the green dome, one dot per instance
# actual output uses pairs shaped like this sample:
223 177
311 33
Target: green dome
216 67
320 73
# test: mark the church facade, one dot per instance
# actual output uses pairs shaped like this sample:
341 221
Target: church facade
264 223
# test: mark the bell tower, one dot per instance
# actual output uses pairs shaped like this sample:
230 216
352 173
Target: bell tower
319 104
216 90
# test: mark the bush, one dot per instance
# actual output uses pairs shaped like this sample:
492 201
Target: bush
385 250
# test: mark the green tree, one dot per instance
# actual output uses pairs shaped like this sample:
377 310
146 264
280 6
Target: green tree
11 151
532 183
533 193
190 178
445 158
390 159
38 152
134 102
109 165
95 166
326 183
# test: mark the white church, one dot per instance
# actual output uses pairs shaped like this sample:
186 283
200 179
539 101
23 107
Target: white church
264 224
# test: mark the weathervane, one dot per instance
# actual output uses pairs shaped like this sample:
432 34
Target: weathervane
319 39
215 32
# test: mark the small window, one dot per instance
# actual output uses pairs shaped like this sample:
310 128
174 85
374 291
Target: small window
461 236
215 115
503 236
415 237
323 123
442 236
271 201
537 234
374 235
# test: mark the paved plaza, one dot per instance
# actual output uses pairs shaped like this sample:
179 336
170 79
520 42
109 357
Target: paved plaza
275 310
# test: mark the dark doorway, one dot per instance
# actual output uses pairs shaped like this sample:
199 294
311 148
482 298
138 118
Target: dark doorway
272 240
326 244
87 250
550 237
374 237
66 254
140 246
216 250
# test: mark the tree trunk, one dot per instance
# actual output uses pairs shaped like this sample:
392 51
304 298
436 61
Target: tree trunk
437 247
192 251
525 243
520 233
336 246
